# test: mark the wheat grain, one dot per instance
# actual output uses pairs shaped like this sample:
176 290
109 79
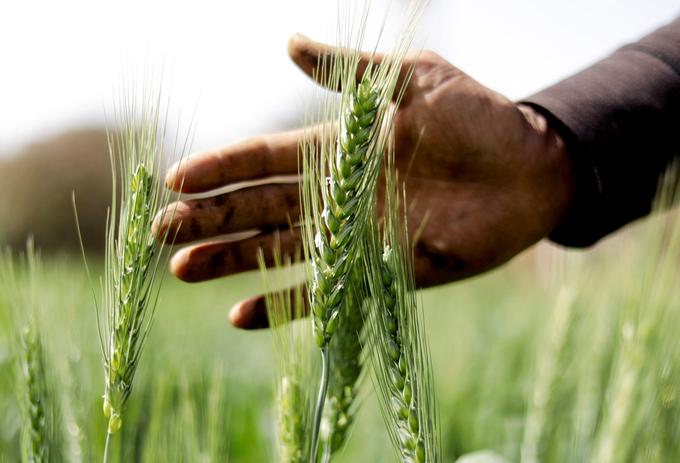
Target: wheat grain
397 335
340 176
293 359
547 375
41 437
337 228
345 353
132 291
130 288
36 440
346 204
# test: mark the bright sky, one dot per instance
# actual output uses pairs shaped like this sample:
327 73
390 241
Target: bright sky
59 60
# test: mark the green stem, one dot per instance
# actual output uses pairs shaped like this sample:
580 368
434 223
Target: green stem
320 401
106 447
327 453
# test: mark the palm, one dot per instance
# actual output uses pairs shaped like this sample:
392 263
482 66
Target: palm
470 173
485 179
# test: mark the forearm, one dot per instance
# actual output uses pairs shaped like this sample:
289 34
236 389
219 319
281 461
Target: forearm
620 119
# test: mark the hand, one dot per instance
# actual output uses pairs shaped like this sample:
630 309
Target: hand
489 178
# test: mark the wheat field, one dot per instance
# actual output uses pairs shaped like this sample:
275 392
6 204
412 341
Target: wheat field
515 373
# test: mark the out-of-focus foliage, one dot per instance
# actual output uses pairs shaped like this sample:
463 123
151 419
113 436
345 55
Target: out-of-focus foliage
521 373
36 187
205 389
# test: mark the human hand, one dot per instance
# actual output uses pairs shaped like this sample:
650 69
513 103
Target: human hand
485 177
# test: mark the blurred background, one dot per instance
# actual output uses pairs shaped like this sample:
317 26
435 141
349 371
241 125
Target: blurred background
226 62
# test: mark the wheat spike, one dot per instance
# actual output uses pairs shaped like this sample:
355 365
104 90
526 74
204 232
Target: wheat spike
341 162
397 335
36 433
133 256
41 436
345 207
294 370
346 370
136 249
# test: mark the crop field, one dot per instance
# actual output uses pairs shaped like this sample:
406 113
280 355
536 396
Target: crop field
204 390
558 356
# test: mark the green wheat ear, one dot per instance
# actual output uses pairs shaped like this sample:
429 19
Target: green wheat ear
396 333
341 163
133 256
346 369
36 441
129 310
347 202
132 253
292 347
41 438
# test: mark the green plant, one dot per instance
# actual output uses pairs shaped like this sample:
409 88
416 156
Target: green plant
546 376
293 361
607 373
341 163
36 434
130 287
597 378
645 380
41 433
401 359
345 351
484 374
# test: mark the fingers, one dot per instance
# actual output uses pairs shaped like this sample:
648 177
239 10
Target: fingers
251 313
206 261
310 56
260 207
252 159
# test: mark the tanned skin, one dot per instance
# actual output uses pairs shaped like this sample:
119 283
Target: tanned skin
489 179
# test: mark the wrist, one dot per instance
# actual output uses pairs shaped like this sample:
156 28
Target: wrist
557 185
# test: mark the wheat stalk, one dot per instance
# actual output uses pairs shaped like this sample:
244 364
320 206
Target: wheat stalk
293 359
130 287
646 347
347 196
547 376
396 332
333 231
346 370
36 433
41 439
346 205
132 254
341 163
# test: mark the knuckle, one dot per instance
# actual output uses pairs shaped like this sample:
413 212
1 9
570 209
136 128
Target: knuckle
428 56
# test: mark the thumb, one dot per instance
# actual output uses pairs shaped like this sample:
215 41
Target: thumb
310 55
252 314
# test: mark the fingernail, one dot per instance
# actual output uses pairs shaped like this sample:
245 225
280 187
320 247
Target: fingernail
239 317
158 225
235 315
179 267
249 314
295 44
171 176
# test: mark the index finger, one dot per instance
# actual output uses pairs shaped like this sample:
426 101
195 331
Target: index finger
311 57
252 159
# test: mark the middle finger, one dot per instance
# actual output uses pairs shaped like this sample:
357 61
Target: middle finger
259 207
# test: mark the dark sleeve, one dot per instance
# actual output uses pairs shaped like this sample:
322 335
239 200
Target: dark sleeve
620 119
